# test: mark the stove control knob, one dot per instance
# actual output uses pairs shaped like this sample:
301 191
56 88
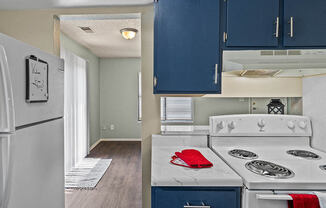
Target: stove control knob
231 125
220 125
261 124
303 124
291 125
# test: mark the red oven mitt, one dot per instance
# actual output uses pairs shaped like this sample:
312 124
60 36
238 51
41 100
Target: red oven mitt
303 201
192 158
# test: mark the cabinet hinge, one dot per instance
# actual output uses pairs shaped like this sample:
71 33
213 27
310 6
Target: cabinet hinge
225 37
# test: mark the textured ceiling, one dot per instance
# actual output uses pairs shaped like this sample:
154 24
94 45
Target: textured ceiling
106 41
48 4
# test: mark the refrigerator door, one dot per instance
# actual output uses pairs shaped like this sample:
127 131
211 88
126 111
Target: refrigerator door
26 112
38 167
5 169
7 117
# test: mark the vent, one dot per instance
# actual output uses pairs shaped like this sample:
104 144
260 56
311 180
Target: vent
280 52
259 73
87 29
266 53
294 52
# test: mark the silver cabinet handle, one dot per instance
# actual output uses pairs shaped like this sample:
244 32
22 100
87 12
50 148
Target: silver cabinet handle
6 88
196 206
155 81
277 23
216 67
291 27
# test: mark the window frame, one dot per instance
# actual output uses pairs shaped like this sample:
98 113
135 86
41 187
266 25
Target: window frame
164 120
139 99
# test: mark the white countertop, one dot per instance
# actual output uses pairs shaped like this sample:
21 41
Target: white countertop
166 174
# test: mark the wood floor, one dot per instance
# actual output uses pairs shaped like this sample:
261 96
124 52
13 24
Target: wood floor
120 187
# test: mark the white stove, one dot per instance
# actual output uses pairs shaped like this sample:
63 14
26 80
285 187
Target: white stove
272 154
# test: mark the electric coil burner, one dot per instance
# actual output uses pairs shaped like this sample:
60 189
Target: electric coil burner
243 154
304 154
269 169
323 167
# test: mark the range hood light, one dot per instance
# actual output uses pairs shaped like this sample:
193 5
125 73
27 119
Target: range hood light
128 33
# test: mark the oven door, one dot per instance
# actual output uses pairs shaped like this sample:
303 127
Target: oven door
268 199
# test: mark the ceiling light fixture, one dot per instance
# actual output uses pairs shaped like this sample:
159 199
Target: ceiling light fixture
128 33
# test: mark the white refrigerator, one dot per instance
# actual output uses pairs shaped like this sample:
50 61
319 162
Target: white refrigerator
31 127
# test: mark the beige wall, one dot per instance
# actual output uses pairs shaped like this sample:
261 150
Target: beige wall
38 28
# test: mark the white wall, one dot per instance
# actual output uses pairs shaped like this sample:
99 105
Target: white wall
119 97
92 83
314 106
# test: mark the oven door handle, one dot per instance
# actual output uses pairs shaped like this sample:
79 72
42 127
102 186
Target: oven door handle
283 197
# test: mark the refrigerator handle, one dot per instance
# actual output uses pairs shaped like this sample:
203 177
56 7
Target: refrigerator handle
6 155
9 115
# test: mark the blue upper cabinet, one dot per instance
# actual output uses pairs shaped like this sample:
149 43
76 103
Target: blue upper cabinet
186 47
252 23
304 23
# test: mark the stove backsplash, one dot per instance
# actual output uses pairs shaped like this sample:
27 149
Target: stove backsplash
203 108
314 106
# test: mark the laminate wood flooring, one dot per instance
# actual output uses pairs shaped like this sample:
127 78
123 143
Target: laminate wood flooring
120 186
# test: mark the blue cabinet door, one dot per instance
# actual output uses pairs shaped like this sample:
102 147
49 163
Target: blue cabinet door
308 23
252 23
186 46
178 197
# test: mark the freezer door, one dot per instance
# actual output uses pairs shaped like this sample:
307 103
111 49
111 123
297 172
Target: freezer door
38 167
25 112
5 169
7 117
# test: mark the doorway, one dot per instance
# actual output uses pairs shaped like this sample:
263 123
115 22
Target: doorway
110 45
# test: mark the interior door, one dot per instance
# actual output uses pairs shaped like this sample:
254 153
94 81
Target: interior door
252 23
186 46
304 23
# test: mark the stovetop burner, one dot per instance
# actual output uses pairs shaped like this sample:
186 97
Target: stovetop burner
243 154
323 167
269 169
304 154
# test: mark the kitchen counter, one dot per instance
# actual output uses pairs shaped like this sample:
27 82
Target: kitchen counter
166 174
184 130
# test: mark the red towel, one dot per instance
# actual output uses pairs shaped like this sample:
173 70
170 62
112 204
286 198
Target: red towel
193 159
303 201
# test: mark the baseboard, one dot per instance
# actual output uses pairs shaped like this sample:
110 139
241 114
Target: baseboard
115 139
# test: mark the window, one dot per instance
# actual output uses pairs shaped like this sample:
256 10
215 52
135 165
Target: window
176 109
139 97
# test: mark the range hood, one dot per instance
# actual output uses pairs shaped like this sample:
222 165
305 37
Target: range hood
274 63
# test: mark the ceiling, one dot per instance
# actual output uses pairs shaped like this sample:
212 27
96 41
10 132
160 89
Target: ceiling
106 41
48 4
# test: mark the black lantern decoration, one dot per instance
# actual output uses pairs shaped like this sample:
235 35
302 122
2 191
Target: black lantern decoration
275 107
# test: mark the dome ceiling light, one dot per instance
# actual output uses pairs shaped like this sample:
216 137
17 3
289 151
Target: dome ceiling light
128 33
